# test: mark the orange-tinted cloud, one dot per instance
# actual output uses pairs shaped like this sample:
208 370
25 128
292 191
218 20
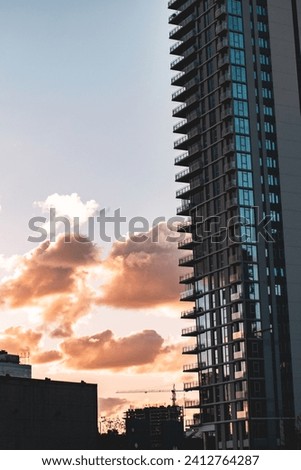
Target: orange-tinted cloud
17 340
46 356
104 351
53 276
52 268
144 274
111 406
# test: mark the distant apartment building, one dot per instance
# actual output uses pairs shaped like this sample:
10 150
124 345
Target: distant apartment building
10 365
154 427
238 73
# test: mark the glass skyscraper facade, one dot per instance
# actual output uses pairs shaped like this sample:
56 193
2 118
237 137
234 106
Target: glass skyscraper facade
238 79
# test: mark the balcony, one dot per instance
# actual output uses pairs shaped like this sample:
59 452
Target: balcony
225 95
191 349
223 61
182 8
180 143
221 28
230 166
181 158
227 130
231 184
192 331
178 111
182 176
237 335
242 414
222 44
186 56
187 261
229 148
240 374
180 47
239 355
227 112
185 227
188 295
236 295
192 404
189 386
178 127
191 367
241 395
190 314
232 202
186 244
224 78
184 209
183 193
184 142
221 11
187 278
236 316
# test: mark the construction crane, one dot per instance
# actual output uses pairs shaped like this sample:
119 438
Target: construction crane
173 392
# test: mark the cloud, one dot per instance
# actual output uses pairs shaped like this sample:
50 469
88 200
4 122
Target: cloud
17 340
143 274
111 406
69 205
54 277
104 351
46 357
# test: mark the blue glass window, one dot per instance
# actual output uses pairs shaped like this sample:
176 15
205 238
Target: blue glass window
235 23
246 197
241 108
240 91
238 74
234 7
245 179
237 57
244 161
242 126
236 40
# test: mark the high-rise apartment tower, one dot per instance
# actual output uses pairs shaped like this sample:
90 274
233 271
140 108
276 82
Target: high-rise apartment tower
238 73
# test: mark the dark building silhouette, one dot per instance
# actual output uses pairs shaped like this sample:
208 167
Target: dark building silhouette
46 414
239 77
155 428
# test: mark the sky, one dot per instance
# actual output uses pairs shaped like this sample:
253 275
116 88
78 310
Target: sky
85 131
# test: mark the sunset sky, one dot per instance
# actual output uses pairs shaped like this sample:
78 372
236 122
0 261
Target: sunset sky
86 125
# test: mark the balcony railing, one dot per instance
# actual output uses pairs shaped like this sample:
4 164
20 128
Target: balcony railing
191 386
221 27
191 367
187 294
189 313
192 404
191 349
181 157
239 355
184 227
179 124
184 243
183 191
181 175
187 278
184 208
237 316
186 260
222 10
238 335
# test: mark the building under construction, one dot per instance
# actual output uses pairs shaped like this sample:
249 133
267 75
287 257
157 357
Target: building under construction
155 427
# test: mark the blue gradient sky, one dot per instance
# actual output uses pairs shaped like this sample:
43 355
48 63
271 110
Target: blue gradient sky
85 107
